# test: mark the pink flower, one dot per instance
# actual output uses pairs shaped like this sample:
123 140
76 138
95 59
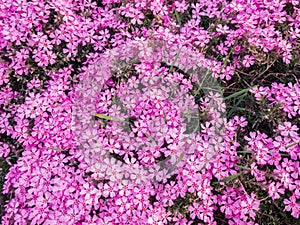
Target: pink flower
140 127
248 60
223 49
180 6
222 29
274 190
250 205
227 207
194 210
261 155
287 129
122 203
258 174
287 57
291 204
137 17
109 190
4 150
179 220
259 92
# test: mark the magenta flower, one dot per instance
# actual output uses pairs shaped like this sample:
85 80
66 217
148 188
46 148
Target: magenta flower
287 129
4 150
62 61
291 204
248 60
195 210
250 205
274 190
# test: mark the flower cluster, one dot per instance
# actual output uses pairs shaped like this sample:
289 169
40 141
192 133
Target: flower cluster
285 96
112 111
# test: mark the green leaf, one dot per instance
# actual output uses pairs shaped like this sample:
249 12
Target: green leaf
241 92
175 164
178 18
101 116
149 136
291 145
97 85
232 177
235 107
57 149
244 151
227 57
165 116
243 167
175 60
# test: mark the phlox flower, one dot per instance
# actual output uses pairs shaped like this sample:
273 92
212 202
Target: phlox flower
250 205
4 150
287 129
227 72
287 57
258 174
227 207
89 220
262 156
259 92
291 204
179 220
284 176
296 188
181 6
137 17
194 210
274 190
222 29
296 171
140 128
295 33
154 221
109 190
223 49
122 203
207 211
248 60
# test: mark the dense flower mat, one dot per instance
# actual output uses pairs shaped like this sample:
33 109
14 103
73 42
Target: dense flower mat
149 112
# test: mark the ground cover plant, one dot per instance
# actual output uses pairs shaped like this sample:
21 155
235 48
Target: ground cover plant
150 112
